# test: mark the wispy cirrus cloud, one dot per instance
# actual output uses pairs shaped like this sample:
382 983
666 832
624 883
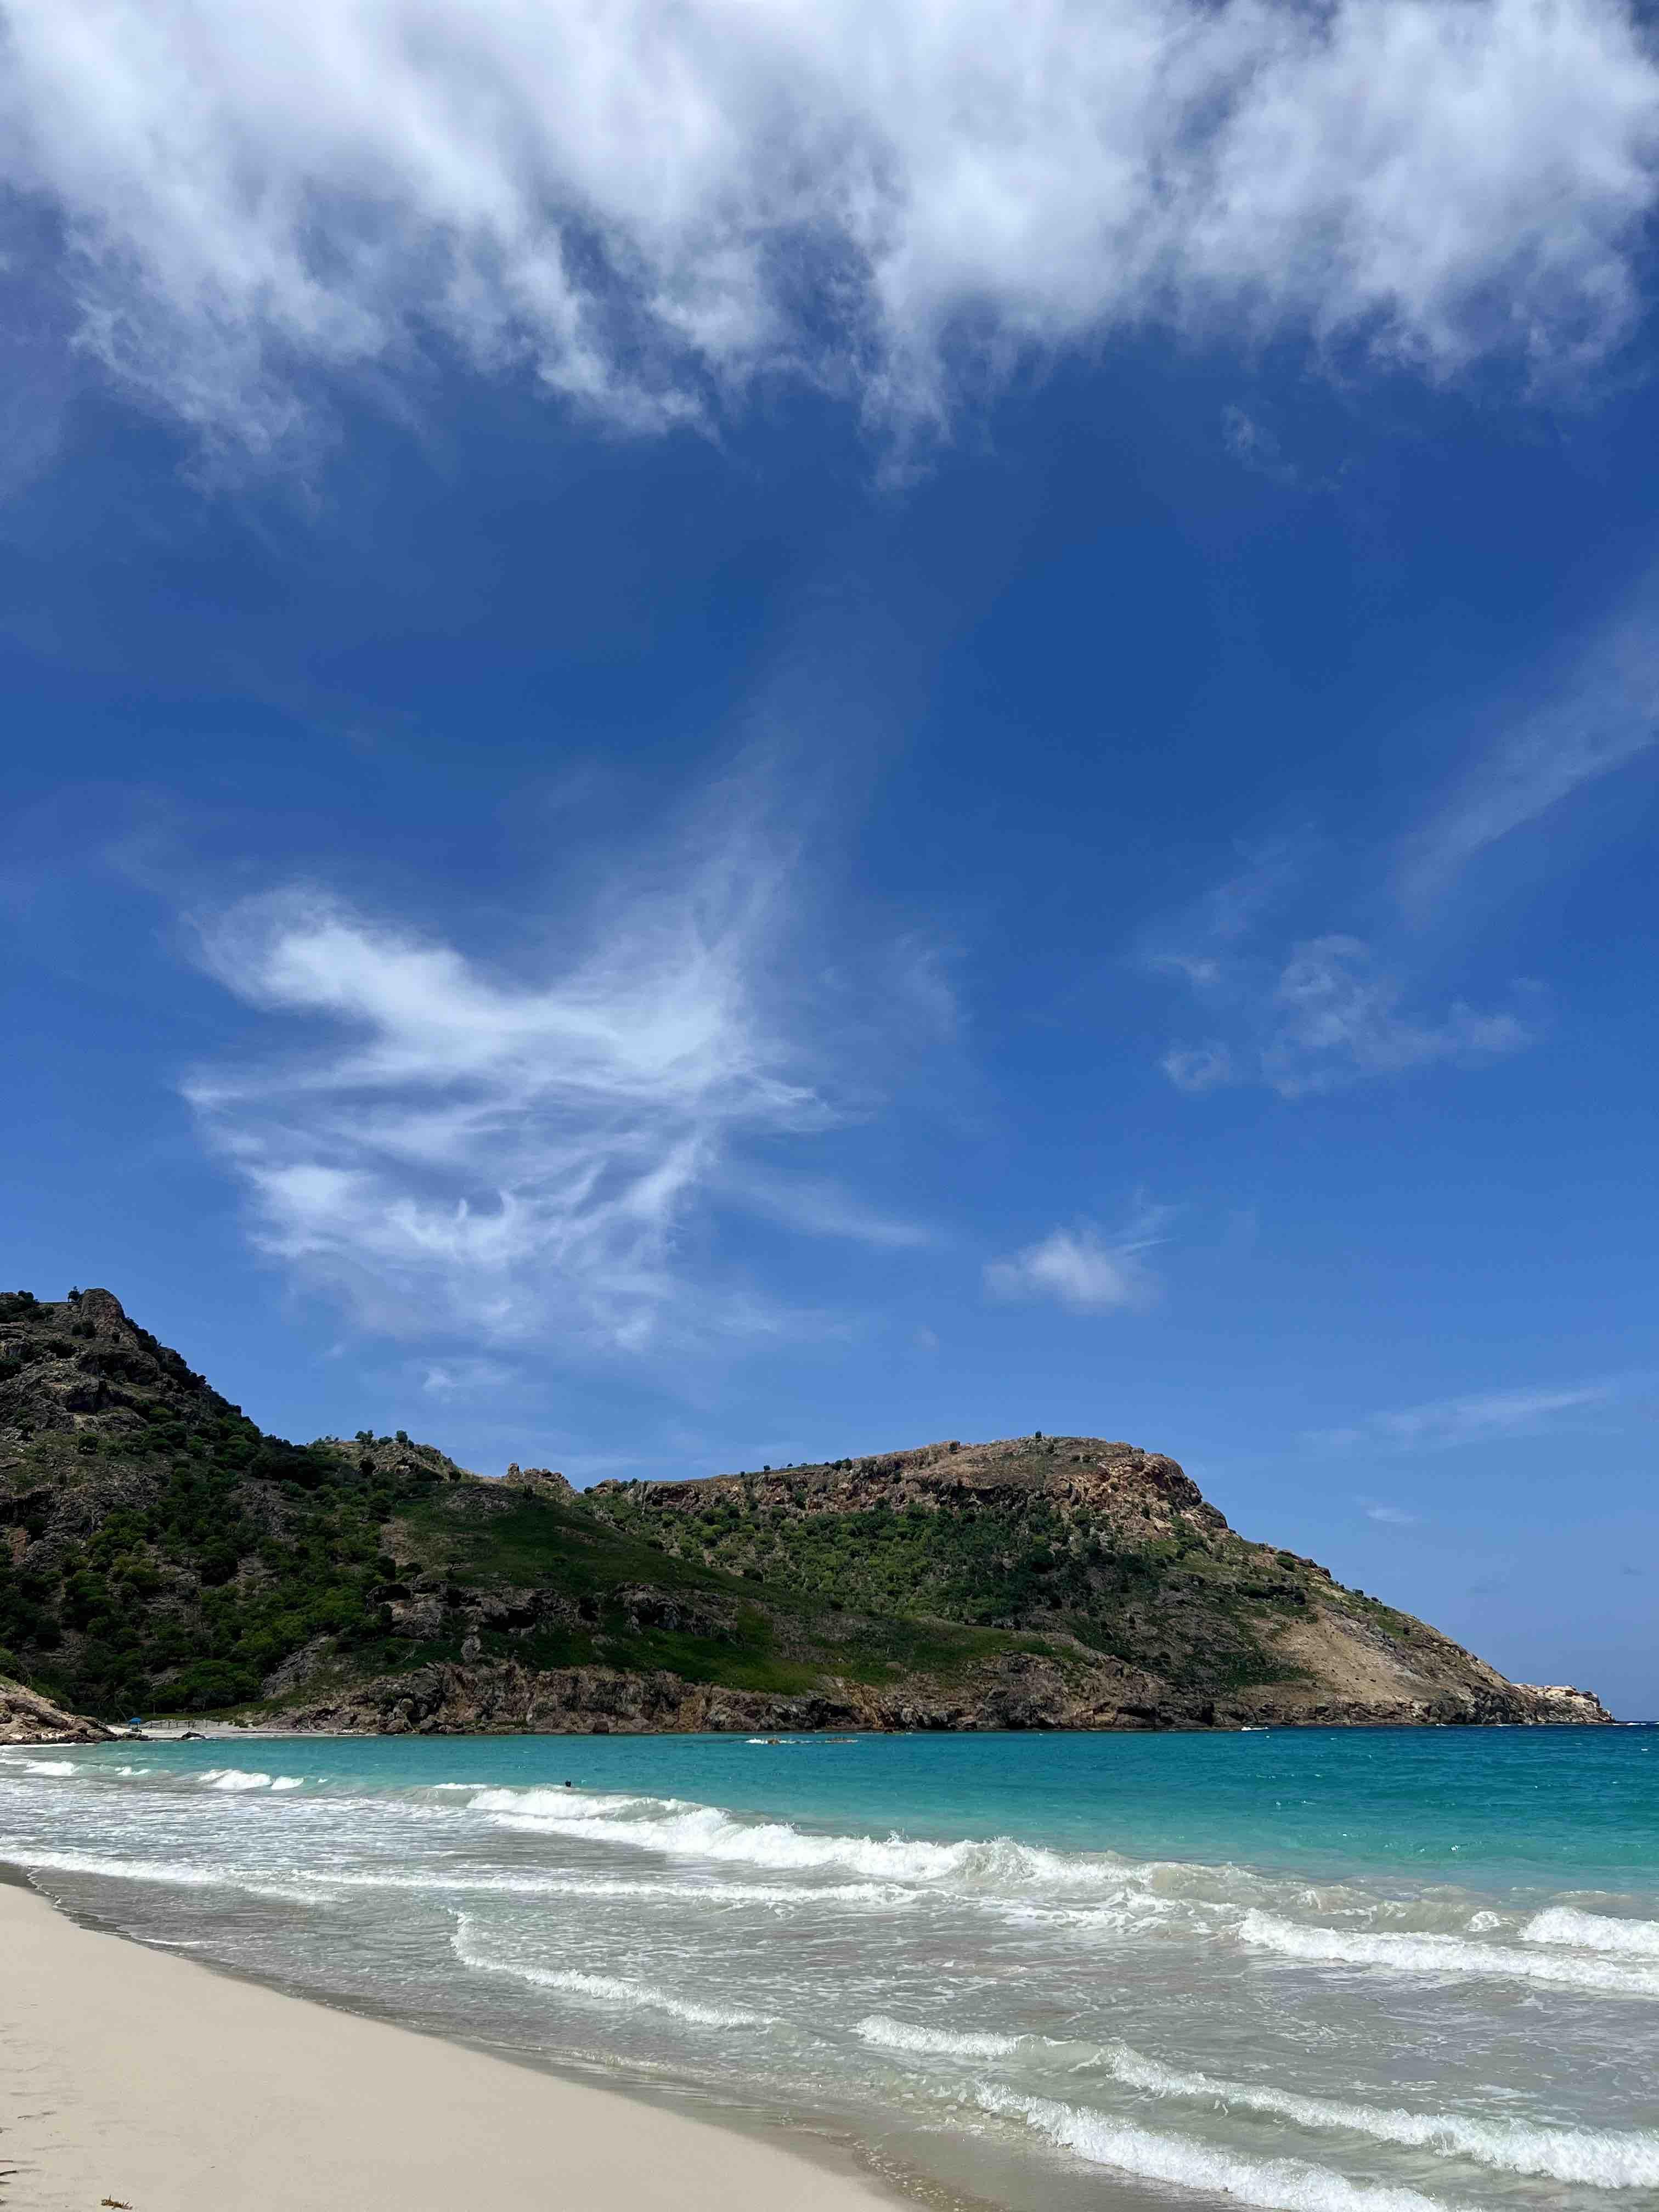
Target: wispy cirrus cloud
1256 448
1313 1014
515 1154
1392 1516
1481 1417
1600 716
1331 1015
457 1378
646 210
1305 1014
1083 1269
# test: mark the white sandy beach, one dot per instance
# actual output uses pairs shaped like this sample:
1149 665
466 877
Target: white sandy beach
130 2075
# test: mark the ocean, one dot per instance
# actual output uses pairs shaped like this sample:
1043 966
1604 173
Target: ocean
1330 1971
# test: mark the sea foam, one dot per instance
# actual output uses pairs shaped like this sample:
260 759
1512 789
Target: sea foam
900 2035
1603 2158
165 1874
1278 2184
662 1891
604 1989
1443 1955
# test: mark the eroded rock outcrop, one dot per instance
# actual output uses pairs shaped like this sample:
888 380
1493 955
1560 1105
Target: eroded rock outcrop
1557 1702
1014 1691
28 1717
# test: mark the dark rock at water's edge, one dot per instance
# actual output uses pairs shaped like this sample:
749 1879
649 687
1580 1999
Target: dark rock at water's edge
1017 1694
160 1552
27 1718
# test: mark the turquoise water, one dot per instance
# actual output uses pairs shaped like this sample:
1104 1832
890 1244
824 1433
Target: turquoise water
1549 1805
1321 1970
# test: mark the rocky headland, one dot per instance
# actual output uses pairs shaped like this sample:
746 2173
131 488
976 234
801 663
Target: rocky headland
160 1552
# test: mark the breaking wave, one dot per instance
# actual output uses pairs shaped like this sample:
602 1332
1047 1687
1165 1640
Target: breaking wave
238 1778
605 1989
677 1829
898 2035
1593 1932
1442 1954
1277 2184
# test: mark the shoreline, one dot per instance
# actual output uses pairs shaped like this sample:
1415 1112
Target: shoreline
166 2084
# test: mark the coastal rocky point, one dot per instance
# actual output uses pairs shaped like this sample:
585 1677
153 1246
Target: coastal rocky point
27 1718
160 1552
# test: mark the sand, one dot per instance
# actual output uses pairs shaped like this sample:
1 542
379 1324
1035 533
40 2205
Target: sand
137 2076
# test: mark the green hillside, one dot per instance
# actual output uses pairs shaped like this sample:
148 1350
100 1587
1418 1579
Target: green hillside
990 1543
158 1551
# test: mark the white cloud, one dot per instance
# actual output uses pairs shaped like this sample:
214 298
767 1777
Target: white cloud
1200 1067
465 1378
1392 1516
1338 1015
645 206
1479 1417
524 1157
1327 1013
1082 1270
1254 446
820 1209
1603 713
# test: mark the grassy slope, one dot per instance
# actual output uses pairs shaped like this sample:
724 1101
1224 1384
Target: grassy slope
158 1551
1194 1605
743 1636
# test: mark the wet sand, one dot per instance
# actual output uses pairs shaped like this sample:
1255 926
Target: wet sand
140 2077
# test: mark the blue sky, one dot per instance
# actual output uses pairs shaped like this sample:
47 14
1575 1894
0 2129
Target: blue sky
742 733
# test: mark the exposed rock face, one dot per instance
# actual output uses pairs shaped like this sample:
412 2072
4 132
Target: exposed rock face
1015 1691
397 1456
1558 1701
543 1481
1115 1485
1019 1692
60 1366
26 1718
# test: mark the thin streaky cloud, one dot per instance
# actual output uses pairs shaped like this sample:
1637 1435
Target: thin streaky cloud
1392 1516
821 1208
1603 716
1478 1418
464 1377
646 209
